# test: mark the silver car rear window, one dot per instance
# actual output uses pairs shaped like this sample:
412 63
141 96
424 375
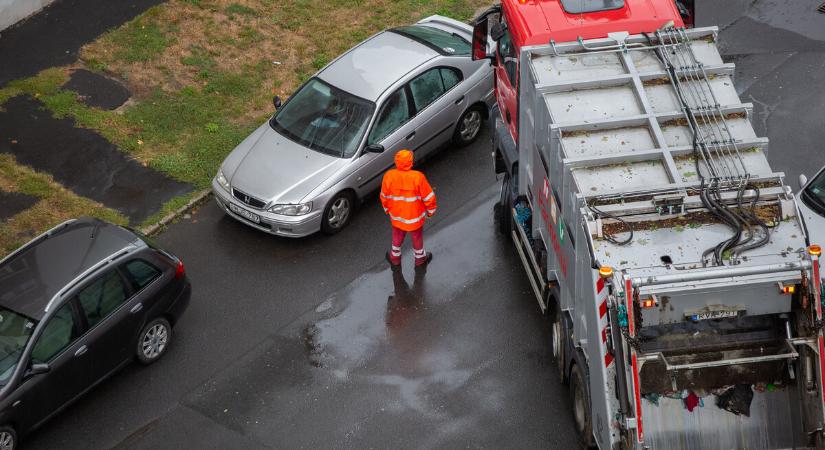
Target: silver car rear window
449 44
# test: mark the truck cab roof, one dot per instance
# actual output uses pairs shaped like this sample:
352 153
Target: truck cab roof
537 22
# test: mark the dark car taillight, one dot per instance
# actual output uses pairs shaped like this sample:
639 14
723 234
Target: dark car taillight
180 271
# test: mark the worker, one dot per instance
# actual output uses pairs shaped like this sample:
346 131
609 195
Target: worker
408 199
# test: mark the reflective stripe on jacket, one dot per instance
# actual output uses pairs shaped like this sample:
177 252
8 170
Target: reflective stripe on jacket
406 195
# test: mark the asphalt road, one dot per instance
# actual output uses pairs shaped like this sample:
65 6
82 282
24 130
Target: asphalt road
317 343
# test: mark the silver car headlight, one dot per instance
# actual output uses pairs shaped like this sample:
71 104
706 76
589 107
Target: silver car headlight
292 209
222 180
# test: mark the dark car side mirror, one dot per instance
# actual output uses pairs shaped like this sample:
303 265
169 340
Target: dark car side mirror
37 369
276 101
375 148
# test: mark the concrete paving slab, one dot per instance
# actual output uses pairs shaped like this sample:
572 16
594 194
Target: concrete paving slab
53 36
82 160
12 203
97 90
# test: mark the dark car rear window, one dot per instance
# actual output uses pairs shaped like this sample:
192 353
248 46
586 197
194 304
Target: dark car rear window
450 44
590 6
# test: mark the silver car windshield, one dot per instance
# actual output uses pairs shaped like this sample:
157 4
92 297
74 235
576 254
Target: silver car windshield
324 118
814 194
15 331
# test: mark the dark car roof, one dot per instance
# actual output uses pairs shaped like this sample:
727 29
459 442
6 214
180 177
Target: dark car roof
31 277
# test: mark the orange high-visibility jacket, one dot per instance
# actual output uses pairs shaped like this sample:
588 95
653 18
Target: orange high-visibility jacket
406 195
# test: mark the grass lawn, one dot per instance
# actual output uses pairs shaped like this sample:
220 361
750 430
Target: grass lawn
203 73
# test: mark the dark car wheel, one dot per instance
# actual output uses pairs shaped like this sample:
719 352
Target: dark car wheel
469 126
338 213
154 340
8 438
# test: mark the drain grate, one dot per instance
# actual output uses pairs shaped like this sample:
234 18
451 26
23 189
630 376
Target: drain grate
821 9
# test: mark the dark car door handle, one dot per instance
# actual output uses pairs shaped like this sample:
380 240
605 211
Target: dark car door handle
82 350
411 135
135 309
460 99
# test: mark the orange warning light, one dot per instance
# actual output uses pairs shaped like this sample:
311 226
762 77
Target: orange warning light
649 302
814 250
606 271
788 289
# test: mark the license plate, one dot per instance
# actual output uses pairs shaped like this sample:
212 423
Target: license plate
250 216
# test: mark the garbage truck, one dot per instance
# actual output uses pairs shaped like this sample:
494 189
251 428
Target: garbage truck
684 296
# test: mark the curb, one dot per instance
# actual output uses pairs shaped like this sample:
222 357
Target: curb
154 228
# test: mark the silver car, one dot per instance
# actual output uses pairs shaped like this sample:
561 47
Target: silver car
812 206
326 148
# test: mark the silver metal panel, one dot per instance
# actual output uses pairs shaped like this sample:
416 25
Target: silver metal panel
770 425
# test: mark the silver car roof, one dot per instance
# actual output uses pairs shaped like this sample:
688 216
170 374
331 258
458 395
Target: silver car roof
376 64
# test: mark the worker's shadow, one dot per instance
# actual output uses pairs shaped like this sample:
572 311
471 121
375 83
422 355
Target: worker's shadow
405 303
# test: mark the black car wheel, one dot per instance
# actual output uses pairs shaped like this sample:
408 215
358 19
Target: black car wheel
153 340
338 213
8 438
558 343
469 126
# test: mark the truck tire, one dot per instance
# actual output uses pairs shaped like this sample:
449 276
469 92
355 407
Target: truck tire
581 408
558 344
504 219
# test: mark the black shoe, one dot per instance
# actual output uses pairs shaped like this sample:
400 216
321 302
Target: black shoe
389 260
427 259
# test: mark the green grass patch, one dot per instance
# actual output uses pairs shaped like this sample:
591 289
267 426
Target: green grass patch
140 40
236 8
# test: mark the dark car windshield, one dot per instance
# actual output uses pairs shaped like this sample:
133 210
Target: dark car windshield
814 194
439 40
15 331
324 118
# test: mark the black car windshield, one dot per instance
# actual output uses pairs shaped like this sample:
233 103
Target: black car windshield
15 331
439 40
324 118
814 194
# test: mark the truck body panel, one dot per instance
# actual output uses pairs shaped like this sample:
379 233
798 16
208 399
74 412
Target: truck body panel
625 144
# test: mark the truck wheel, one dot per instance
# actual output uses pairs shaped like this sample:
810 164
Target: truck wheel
504 217
581 408
558 343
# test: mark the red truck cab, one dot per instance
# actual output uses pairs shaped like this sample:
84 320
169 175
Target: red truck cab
522 23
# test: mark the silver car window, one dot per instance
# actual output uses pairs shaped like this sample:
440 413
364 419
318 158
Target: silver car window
814 194
394 113
324 118
426 88
451 77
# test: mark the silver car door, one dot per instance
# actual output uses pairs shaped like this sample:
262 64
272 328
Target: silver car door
439 99
394 130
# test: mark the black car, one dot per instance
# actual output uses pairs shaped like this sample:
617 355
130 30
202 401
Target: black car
76 304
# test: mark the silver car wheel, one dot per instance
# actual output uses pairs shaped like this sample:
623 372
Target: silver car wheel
339 212
155 340
6 441
470 125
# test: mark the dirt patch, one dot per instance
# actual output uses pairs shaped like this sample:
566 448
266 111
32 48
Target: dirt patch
97 90
12 203
83 161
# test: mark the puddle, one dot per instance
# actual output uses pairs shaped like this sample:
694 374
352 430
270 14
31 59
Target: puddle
12 203
82 160
97 90
53 37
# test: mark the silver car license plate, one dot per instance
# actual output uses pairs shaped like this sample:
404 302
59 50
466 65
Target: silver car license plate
245 214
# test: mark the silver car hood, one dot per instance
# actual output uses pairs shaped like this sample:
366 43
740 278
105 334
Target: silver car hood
272 168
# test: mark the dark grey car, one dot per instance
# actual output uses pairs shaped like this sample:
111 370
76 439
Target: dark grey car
77 304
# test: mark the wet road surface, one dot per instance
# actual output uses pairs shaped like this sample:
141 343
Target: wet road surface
311 338
317 343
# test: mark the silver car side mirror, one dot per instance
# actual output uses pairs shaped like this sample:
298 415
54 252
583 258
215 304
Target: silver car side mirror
803 180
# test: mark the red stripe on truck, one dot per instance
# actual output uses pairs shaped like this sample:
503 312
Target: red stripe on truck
603 309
